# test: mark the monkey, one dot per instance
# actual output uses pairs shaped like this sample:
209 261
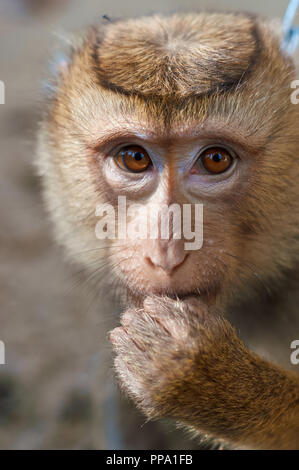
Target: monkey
190 108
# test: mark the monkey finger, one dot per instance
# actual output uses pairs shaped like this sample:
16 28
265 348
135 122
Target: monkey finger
128 317
129 381
122 341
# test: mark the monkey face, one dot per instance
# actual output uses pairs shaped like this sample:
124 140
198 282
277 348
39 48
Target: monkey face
182 119
178 171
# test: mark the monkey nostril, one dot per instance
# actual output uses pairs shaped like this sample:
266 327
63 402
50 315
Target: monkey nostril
167 265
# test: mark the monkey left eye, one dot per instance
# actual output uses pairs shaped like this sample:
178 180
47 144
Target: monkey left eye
216 160
133 158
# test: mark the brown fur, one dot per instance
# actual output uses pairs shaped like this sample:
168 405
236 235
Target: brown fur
178 58
176 79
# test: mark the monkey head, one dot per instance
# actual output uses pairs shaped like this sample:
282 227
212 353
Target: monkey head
187 109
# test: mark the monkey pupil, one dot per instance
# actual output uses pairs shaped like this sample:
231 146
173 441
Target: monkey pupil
138 156
217 157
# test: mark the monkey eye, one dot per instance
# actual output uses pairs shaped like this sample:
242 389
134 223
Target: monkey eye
216 160
133 158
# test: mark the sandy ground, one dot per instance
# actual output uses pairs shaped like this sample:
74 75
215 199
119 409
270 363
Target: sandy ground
56 383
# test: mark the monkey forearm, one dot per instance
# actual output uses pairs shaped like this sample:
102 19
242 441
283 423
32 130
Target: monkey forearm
182 362
257 407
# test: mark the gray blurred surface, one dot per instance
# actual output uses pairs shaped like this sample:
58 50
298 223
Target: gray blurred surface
58 371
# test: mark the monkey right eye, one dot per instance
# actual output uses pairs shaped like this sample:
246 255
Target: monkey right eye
216 160
133 158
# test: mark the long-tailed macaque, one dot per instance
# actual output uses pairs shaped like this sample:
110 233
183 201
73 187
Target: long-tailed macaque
189 109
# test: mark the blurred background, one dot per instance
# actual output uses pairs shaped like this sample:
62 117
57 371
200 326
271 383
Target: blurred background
56 388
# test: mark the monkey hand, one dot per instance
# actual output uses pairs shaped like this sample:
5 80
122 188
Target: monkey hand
177 360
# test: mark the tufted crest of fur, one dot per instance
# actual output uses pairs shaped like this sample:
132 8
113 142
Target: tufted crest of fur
182 55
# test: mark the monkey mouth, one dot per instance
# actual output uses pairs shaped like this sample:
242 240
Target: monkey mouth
186 295
209 292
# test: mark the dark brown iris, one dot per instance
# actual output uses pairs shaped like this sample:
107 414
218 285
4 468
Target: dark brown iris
216 160
133 158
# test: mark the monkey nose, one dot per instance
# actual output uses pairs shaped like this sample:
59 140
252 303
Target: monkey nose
168 261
